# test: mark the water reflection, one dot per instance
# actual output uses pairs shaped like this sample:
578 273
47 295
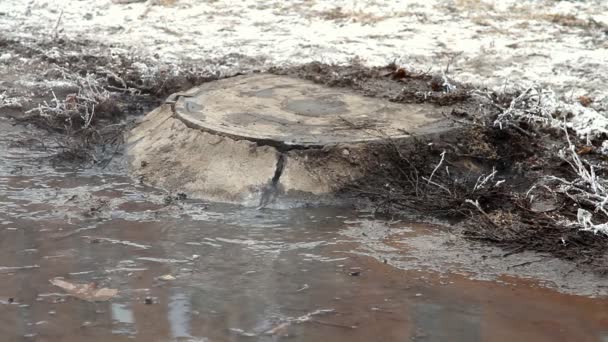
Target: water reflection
438 322
123 319
237 274
179 313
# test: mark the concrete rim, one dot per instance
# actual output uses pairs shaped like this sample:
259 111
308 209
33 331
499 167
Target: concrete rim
336 115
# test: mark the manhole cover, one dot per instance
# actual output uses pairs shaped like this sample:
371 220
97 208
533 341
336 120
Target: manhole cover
285 111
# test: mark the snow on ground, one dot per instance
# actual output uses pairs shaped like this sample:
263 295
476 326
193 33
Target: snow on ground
562 45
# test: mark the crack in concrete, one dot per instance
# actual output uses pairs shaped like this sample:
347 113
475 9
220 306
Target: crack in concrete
281 146
278 145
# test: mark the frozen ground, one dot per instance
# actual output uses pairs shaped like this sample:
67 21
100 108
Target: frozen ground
562 44
557 45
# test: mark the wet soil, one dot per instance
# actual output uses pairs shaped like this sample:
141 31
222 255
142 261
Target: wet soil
241 274
54 84
397 84
137 85
301 272
398 179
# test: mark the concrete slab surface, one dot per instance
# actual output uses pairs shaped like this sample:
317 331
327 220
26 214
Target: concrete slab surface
288 112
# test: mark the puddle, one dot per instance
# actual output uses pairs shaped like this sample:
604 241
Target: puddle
192 271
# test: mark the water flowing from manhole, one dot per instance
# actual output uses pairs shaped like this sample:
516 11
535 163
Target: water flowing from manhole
188 270
270 192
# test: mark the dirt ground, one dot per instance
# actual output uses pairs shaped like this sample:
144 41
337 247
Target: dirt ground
512 159
139 52
556 43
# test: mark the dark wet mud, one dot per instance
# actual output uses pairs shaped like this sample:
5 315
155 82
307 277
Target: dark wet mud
192 271
249 276
186 270
522 155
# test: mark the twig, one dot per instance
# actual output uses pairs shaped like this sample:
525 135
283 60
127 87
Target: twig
525 263
333 324
438 185
55 32
482 181
437 167
476 205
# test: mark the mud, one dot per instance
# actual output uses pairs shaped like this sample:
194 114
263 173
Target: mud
136 85
398 179
52 73
397 84
189 270
273 274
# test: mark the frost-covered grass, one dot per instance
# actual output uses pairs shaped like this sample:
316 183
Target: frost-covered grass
7 101
555 45
543 41
554 51
81 106
539 109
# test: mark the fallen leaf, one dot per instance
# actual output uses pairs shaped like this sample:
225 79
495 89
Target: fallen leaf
88 292
400 73
280 329
585 150
585 101
122 2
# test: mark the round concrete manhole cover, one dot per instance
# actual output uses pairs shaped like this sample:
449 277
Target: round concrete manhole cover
280 110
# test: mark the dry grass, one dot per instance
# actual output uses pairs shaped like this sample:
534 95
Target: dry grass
165 2
77 110
151 2
86 101
571 20
76 118
484 13
474 5
357 16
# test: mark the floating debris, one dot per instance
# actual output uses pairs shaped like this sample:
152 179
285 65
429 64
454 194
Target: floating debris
9 300
242 332
167 277
204 243
80 273
88 292
311 257
281 328
164 261
11 269
238 241
119 242
126 269
306 286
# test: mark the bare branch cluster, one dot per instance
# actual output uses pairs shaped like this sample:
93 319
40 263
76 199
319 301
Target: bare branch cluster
80 106
587 189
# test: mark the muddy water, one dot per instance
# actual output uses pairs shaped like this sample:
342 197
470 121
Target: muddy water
191 271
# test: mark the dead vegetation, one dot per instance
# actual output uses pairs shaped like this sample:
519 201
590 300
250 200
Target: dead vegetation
514 203
391 82
570 20
341 14
91 93
420 176
523 179
488 13
76 115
